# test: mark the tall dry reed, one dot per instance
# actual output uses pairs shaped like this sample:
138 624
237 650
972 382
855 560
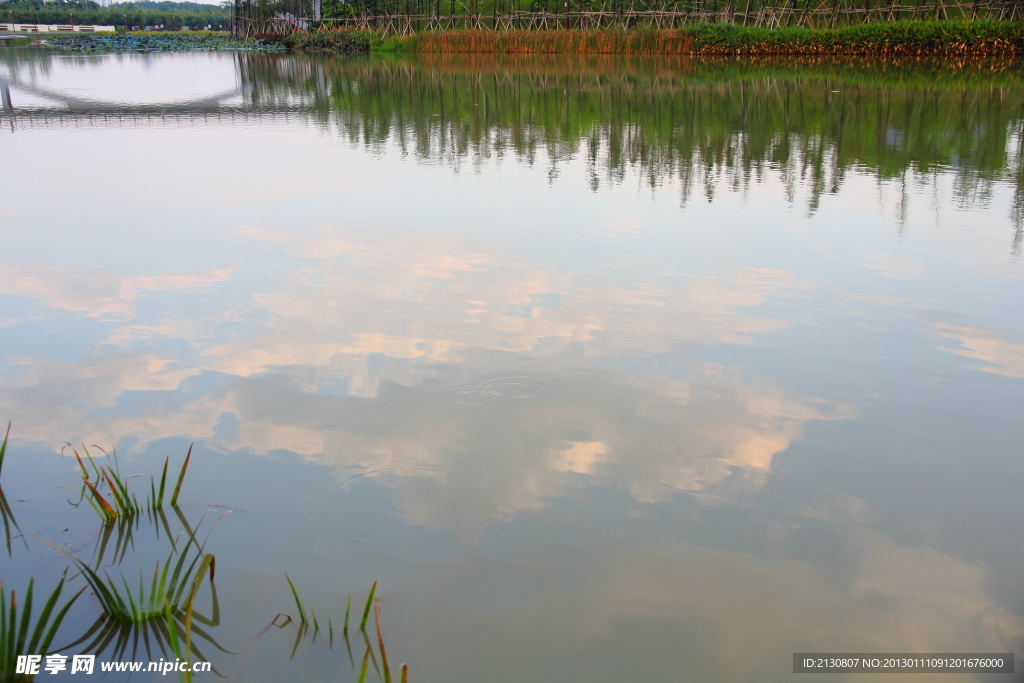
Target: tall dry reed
565 41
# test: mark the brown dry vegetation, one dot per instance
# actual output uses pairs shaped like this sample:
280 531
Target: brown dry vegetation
664 42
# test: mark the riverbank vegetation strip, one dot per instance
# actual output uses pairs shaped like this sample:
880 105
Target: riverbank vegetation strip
898 38
170 15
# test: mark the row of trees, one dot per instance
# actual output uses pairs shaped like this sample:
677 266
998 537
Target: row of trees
172 15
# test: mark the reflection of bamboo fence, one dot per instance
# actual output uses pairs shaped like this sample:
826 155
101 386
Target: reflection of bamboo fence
812 13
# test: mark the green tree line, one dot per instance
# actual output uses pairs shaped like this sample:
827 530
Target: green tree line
173 15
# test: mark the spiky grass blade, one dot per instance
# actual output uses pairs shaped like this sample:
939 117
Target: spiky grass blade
366 610
158 498
3 447
405 674
108 509
181 476
41 641
298 603
17 636
118 501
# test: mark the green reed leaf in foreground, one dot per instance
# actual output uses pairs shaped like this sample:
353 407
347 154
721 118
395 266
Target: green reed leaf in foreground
17 637
366 610
298 603
181 478
3 447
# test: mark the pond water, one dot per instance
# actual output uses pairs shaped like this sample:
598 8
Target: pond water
604 369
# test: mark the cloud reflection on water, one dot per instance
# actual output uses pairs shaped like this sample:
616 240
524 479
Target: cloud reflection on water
363 339
673 414
96 294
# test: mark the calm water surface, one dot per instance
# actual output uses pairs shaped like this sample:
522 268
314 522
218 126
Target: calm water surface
605 369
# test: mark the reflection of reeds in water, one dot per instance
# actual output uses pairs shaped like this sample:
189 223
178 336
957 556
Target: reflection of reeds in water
122 532
8 521
6 514
3 448
18 635
170 633
169 589
306 624
119 501
648 42
158 614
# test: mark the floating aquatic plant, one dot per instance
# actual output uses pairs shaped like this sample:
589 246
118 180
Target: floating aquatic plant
166 42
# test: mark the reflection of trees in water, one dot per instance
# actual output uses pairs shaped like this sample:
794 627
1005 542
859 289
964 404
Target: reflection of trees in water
703 123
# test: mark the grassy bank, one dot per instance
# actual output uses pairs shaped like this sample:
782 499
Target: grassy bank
899 38
906 38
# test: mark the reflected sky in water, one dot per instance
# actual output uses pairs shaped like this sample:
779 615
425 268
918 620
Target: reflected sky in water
606 369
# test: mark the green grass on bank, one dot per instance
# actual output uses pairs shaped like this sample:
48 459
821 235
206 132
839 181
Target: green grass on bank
898 38
903 38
